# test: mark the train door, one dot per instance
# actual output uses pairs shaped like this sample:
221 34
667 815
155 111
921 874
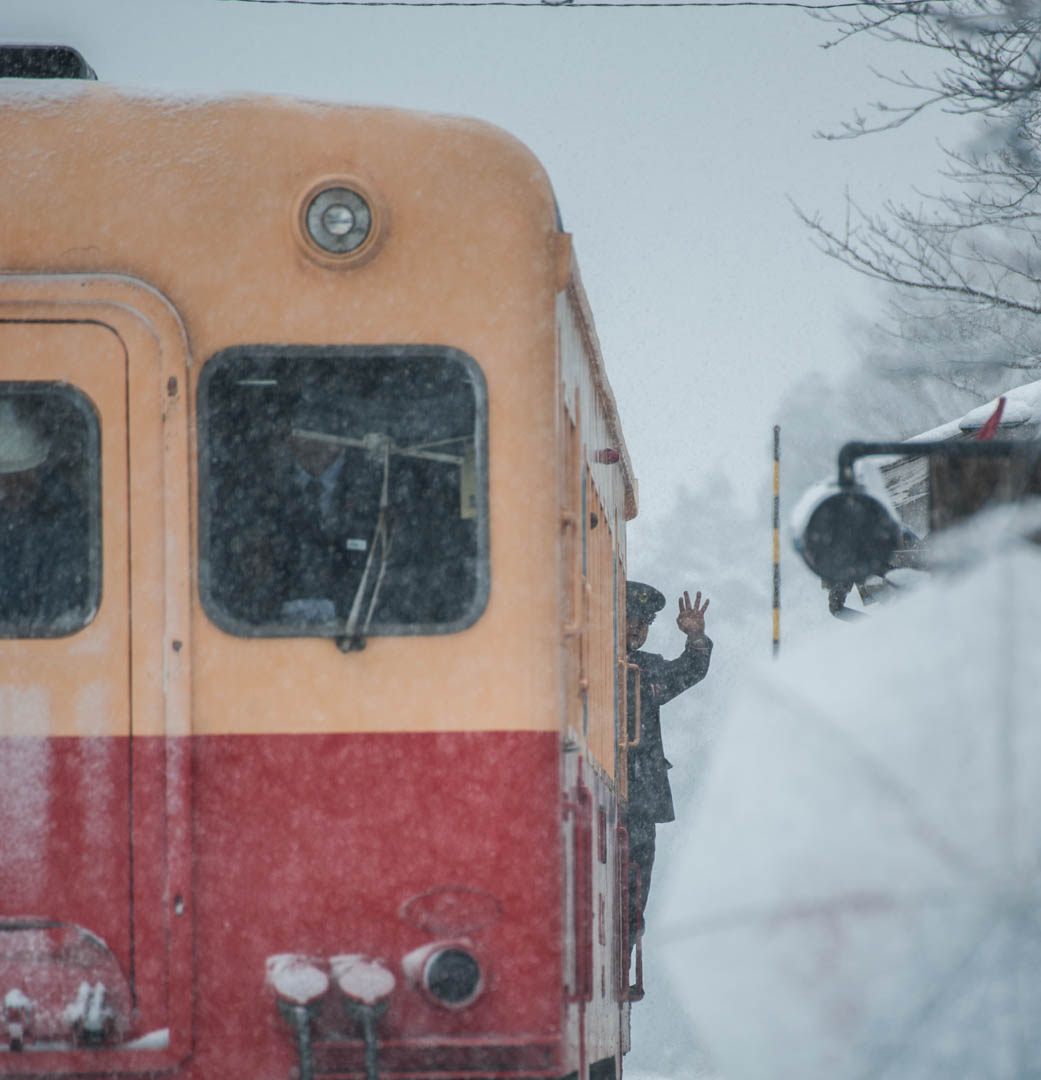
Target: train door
577 826
601 1024
94 921
597 915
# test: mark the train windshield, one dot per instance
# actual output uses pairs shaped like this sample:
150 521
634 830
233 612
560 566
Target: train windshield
343 491
50 521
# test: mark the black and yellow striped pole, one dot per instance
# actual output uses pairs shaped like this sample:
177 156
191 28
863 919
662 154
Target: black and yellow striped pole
777 539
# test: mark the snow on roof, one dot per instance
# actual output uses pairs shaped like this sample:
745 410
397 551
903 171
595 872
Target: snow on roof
1022 406
42 91
906 477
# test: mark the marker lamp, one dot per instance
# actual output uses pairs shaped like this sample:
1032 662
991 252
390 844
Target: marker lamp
338 220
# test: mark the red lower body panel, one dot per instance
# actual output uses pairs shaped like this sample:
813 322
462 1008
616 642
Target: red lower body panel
318 845
380 845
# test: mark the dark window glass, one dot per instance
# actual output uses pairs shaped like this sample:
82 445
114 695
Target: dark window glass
50 510
343 491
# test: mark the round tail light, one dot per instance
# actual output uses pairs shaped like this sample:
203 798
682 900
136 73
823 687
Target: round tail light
452 976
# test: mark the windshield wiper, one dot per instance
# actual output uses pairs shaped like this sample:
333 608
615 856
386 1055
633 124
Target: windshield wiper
353 638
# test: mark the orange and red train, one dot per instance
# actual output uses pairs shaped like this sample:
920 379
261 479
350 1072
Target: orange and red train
329 788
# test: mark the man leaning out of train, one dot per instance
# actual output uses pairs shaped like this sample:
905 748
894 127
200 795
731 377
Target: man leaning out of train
660 680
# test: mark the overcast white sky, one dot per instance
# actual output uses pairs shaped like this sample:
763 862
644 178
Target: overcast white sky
673 137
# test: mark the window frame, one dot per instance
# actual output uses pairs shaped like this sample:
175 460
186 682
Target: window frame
227 621
81 403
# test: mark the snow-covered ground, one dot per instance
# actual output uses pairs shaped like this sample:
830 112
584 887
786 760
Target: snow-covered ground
708 539
854 873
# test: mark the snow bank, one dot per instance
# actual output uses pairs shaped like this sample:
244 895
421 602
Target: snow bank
858 892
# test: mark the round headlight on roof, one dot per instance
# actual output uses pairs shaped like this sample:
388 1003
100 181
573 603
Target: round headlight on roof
338 220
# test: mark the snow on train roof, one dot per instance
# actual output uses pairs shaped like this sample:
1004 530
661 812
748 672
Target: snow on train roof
906 477
49 93
1022 406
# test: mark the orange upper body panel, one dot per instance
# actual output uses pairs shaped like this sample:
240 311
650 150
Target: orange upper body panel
108 194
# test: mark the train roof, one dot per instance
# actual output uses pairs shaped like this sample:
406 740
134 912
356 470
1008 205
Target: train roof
906 478
1020 418
104 104
577 295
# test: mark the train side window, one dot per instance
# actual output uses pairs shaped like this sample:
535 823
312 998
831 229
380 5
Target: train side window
50 510
343 491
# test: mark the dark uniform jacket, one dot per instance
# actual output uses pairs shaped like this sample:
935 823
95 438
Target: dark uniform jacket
650 796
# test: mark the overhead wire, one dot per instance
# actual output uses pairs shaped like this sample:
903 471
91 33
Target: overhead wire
910 5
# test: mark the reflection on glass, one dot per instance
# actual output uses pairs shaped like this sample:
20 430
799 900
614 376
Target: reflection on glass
342 491
50 560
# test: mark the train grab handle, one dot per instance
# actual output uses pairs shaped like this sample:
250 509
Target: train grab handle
581 810
575 625
635 669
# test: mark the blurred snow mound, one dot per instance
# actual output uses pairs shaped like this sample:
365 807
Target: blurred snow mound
858 894
985 535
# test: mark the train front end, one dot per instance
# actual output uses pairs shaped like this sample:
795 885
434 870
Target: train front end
281 760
